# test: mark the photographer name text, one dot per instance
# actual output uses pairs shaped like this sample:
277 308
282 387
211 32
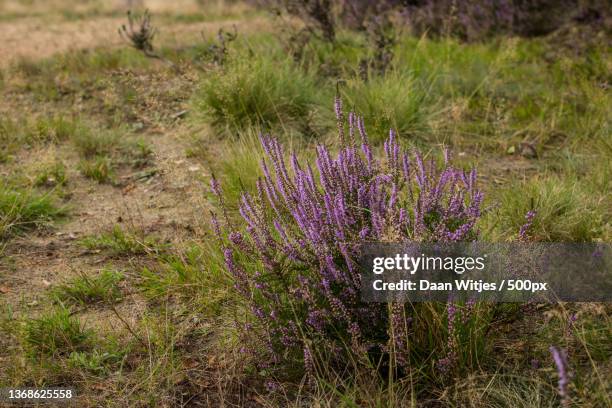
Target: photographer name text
467 285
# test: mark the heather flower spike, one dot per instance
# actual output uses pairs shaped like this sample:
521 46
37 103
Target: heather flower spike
560 359
302 230
529 217
339 113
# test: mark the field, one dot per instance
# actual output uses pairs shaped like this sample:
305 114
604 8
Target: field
122 172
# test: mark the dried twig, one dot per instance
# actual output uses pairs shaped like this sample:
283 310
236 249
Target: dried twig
140 33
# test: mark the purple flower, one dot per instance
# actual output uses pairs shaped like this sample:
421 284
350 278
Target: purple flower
529 217
292 256
215 188
308 361
272 386
560 359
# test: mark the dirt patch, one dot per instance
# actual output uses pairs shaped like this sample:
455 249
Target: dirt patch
33 38
167 202
63 7
41 29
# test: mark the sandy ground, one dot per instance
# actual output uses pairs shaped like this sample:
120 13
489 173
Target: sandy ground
20 7
35 38
43 29
170 205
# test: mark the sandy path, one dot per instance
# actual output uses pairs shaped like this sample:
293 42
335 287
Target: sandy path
36 36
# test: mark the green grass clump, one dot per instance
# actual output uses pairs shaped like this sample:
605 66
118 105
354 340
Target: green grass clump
568 210
122 243
195 273
89 142
240 168
102 151
495 94
99 168
259 90
51 129
96 362
136 153
83 290
29 132
51 175
65 74
9 138
22 209
97 148
341 59
56 333
395 101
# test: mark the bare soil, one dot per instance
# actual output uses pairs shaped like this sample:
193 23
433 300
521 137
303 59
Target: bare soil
166 199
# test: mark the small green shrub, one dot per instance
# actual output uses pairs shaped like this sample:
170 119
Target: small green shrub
95 362
136 153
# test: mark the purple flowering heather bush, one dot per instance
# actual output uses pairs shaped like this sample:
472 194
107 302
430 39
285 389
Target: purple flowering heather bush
478 19
293 253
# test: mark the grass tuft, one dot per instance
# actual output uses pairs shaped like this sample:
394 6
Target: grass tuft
194 273
396 101
84 290
95 362
30 132
90 143
22 209
568 210
259 90
56 333
118 242
51 175
99 168
51 129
